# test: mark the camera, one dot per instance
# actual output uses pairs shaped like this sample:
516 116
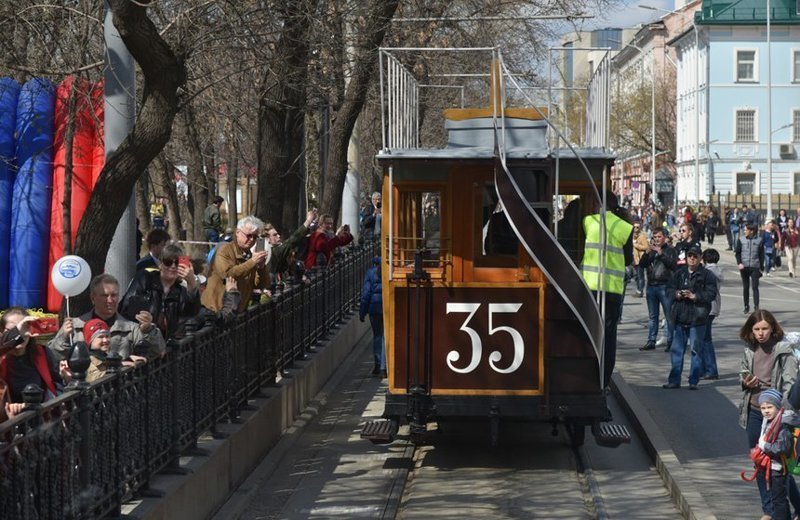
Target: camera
378 205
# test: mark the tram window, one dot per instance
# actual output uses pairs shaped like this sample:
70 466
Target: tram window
496 245
419 226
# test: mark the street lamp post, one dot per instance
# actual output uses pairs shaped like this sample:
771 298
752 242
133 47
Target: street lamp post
769 115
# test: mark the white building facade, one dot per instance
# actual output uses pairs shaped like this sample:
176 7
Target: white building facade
726 93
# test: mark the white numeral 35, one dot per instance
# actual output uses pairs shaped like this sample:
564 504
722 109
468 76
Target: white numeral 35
477 346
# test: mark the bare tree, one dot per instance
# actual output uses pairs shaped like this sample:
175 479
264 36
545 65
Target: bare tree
372 29
163 74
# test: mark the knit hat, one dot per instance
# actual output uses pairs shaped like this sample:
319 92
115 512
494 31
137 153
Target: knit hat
94 328
772 396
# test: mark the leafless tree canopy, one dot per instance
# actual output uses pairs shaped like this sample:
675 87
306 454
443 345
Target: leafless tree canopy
261 92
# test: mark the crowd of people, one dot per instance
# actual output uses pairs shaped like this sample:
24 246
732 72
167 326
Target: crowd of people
169 293
681 279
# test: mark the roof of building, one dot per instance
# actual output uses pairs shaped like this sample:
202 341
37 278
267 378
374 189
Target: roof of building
748 12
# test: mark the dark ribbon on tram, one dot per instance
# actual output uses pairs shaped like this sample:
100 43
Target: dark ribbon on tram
551 258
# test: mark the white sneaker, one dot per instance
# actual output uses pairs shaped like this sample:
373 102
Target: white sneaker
661 341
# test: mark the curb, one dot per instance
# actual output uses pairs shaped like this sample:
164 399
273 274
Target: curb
679 483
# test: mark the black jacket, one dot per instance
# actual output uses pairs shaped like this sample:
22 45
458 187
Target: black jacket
683 246
703 284
659 266
167 310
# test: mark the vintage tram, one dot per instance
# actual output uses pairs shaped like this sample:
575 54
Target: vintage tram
486 314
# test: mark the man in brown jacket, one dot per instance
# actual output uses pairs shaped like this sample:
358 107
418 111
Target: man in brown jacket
236 259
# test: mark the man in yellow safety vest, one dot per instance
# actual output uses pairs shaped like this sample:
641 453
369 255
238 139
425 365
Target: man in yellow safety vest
603 267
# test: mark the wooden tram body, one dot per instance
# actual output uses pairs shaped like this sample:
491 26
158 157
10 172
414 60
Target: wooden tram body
481 316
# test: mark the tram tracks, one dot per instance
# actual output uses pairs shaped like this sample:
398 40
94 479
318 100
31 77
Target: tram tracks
328 472
530 474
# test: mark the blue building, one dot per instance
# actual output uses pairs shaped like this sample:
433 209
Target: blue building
725 89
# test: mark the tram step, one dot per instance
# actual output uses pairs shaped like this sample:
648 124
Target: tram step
611 435
379 432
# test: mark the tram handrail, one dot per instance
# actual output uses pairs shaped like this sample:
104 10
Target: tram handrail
83 454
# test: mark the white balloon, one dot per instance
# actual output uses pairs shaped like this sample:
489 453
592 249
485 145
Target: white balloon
71 275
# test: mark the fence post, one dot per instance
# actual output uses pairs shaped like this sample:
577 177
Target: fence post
79 363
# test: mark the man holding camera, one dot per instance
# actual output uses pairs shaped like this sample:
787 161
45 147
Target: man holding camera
140 337
324 241
693 288
659 262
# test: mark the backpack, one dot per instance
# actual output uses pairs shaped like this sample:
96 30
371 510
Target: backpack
791 463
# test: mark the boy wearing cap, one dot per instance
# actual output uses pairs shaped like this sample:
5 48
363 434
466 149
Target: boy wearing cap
99 336
693 289
97 333
776 446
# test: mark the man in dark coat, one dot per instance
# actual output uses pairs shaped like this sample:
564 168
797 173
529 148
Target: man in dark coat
693 289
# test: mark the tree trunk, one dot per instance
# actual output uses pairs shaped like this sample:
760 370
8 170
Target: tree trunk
364 65
198 183
142 210
280 120
163 172
233 184
163 74
69 146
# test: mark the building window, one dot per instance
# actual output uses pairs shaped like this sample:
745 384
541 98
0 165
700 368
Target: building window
746 125
796 65
796 123
745 183
746 66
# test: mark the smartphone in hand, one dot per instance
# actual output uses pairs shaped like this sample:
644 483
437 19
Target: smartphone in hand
184 261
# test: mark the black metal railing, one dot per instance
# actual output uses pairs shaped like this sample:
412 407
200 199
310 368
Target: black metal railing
84 453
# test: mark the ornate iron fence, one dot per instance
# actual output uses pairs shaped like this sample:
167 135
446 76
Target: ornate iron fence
84 453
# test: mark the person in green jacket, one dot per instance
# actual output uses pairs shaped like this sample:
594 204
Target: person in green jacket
212 220
278 262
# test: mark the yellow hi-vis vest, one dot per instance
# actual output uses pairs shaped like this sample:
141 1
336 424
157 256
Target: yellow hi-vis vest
617 233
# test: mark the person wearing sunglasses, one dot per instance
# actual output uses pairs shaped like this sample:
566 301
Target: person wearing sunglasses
171 292
238 260
686 241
